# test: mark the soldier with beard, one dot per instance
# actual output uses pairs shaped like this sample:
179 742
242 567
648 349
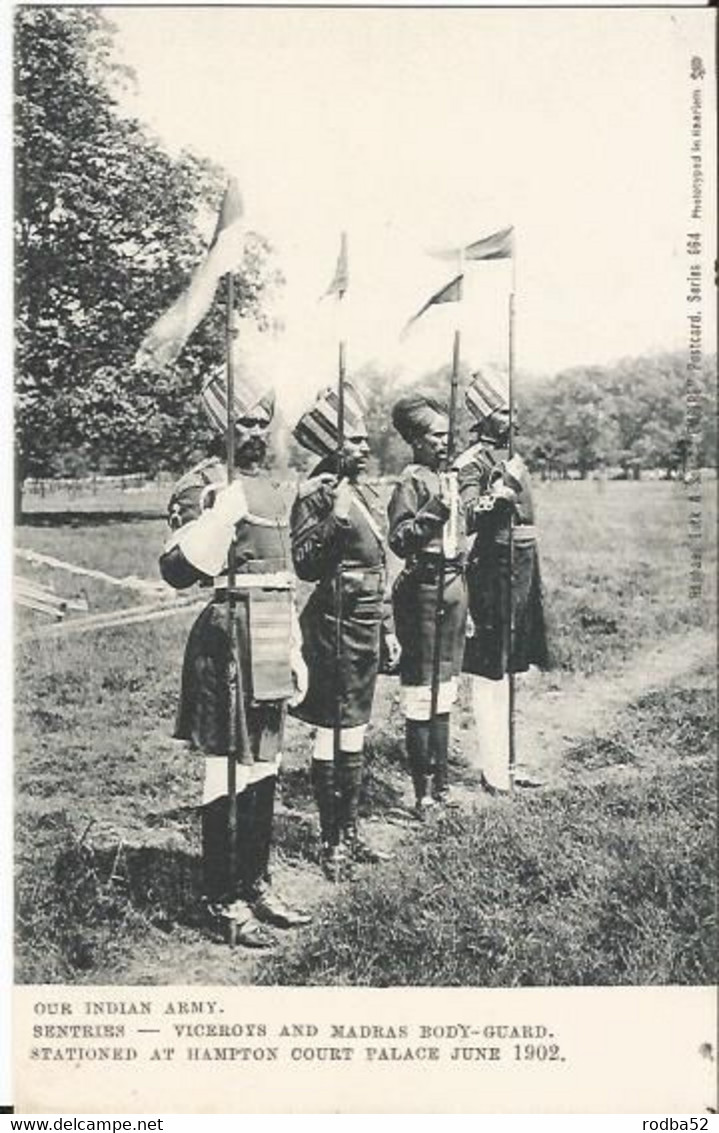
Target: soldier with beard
206 516
507 617
338 542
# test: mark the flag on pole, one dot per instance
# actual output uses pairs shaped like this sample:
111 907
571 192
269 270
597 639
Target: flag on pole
168 334
498 246
450 293
341 278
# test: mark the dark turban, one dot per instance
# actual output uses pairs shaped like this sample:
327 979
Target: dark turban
412 415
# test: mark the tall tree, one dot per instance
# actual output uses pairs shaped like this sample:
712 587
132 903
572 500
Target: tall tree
106 235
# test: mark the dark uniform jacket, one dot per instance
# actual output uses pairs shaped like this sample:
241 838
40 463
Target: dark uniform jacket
262 611
417 518
491 649
346 558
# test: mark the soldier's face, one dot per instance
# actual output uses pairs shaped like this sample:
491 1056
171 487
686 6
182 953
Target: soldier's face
356 453
251 438
499 425
431 448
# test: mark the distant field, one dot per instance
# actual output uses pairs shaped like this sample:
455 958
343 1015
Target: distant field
103 790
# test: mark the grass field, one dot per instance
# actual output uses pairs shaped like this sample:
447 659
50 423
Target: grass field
605 876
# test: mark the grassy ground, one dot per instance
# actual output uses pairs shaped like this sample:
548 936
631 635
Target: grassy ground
604 877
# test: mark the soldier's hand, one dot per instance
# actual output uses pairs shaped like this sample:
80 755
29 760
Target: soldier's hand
324 480
394 650
300 678
343 499
512 473
503 494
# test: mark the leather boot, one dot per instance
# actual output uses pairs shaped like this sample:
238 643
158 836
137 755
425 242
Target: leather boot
267 905
228 911
349 776
417 738
219 886
323 782
439 730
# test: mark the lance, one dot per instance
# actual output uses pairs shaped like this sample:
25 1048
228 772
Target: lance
511 722
339 285
237 738
439 610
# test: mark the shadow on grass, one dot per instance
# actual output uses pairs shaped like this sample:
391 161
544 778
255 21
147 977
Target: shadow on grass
97 898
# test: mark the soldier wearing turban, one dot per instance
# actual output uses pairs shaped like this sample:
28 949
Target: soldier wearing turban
424 530
496 491
206 517
338 543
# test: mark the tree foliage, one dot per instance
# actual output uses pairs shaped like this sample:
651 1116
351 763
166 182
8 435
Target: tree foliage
626 417
106 237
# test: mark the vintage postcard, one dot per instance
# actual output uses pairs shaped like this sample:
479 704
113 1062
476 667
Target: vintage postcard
364 563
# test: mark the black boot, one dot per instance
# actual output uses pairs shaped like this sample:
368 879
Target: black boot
219 886
440 753
349 776
215 861
229 913
323 782
418 741
266 904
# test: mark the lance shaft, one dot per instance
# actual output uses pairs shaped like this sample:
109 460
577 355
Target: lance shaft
339 681
511 628
442 571
237 738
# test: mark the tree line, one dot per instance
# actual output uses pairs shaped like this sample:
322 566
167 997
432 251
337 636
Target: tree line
618 419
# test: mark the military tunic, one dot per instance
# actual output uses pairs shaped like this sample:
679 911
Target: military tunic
422 530
348 554
489 651
262 602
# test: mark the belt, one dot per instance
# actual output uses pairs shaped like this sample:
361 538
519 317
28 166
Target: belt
371 578
428 570
521 533
278 580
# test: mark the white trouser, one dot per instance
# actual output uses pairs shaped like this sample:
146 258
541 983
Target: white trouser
416 700
351 739
215 784
490 704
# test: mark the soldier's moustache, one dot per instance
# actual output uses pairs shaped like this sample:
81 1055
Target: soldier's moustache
252 449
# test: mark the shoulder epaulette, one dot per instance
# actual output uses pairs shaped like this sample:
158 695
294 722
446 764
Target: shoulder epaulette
477 454
469 456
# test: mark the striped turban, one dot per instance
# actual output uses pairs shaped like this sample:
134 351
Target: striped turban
318 429
413 415
483 398
248 399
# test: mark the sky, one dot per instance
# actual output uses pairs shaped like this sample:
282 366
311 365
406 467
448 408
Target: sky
425 128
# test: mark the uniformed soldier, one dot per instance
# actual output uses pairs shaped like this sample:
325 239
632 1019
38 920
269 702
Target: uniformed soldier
425 529
206 516
495 491
338 542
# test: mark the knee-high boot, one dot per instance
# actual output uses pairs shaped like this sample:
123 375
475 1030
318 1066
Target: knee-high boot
323 783
349 777
268 906
257 874
417 738
219 885
439 740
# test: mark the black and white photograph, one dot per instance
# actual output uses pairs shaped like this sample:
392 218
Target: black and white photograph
364 563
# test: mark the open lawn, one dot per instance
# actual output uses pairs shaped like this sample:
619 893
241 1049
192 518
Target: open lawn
605 876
